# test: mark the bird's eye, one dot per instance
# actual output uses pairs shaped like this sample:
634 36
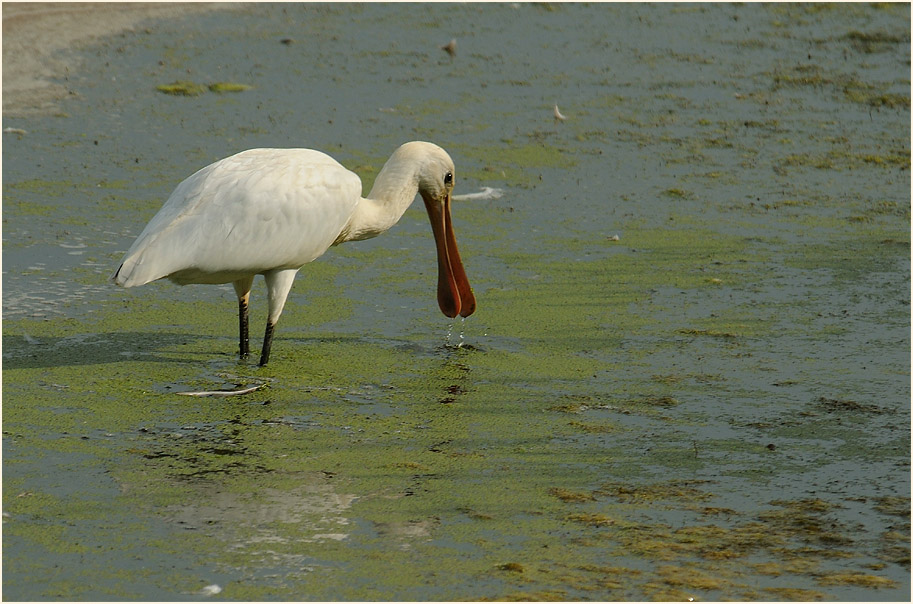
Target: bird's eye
448 178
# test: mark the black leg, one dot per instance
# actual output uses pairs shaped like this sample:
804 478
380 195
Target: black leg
242 326
267 343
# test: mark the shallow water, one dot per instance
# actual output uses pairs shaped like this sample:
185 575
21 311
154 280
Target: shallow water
714 405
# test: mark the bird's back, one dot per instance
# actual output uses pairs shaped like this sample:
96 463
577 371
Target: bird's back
258 210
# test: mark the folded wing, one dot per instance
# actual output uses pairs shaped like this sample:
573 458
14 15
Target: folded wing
258 210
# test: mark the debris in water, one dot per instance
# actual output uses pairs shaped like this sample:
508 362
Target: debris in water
559 117
485 193
222 392
210 590
450 47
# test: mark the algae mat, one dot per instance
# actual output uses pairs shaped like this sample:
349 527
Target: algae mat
688 376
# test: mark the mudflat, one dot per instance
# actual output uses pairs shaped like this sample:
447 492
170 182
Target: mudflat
38 35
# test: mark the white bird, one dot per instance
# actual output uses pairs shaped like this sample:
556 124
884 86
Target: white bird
270 211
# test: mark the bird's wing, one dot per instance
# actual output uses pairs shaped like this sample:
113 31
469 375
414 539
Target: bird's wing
257 210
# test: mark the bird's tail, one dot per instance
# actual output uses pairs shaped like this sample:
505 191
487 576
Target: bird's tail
120 276
127 274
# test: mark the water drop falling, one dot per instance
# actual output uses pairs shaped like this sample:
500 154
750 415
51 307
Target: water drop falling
449 333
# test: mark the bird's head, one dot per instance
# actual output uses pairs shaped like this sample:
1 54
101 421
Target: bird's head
436 178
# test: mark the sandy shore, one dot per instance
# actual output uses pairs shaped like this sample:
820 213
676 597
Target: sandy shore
36 37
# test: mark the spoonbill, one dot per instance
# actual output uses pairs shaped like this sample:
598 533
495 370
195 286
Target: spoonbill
270 211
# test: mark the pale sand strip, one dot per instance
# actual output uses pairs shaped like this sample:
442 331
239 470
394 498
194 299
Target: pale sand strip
36 37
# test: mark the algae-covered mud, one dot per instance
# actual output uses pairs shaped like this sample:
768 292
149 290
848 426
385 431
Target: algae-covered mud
688 375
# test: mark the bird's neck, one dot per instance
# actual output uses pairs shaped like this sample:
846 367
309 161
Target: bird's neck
393 191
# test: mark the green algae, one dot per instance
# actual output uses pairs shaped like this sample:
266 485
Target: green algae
592 520
798 521
875 41
857 579
726 335
515 163
182 88
440 453
680 490
221 87
796 594
566 495
677 193
876 98
400 488
894 506
843 160
188 88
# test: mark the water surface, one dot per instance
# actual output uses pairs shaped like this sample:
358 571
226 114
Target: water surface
688 376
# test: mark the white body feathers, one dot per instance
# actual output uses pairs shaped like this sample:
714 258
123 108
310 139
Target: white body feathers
259 210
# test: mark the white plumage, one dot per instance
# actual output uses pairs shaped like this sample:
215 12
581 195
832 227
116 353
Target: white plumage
258 210
270 211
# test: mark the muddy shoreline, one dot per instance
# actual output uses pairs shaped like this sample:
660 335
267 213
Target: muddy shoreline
38 36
